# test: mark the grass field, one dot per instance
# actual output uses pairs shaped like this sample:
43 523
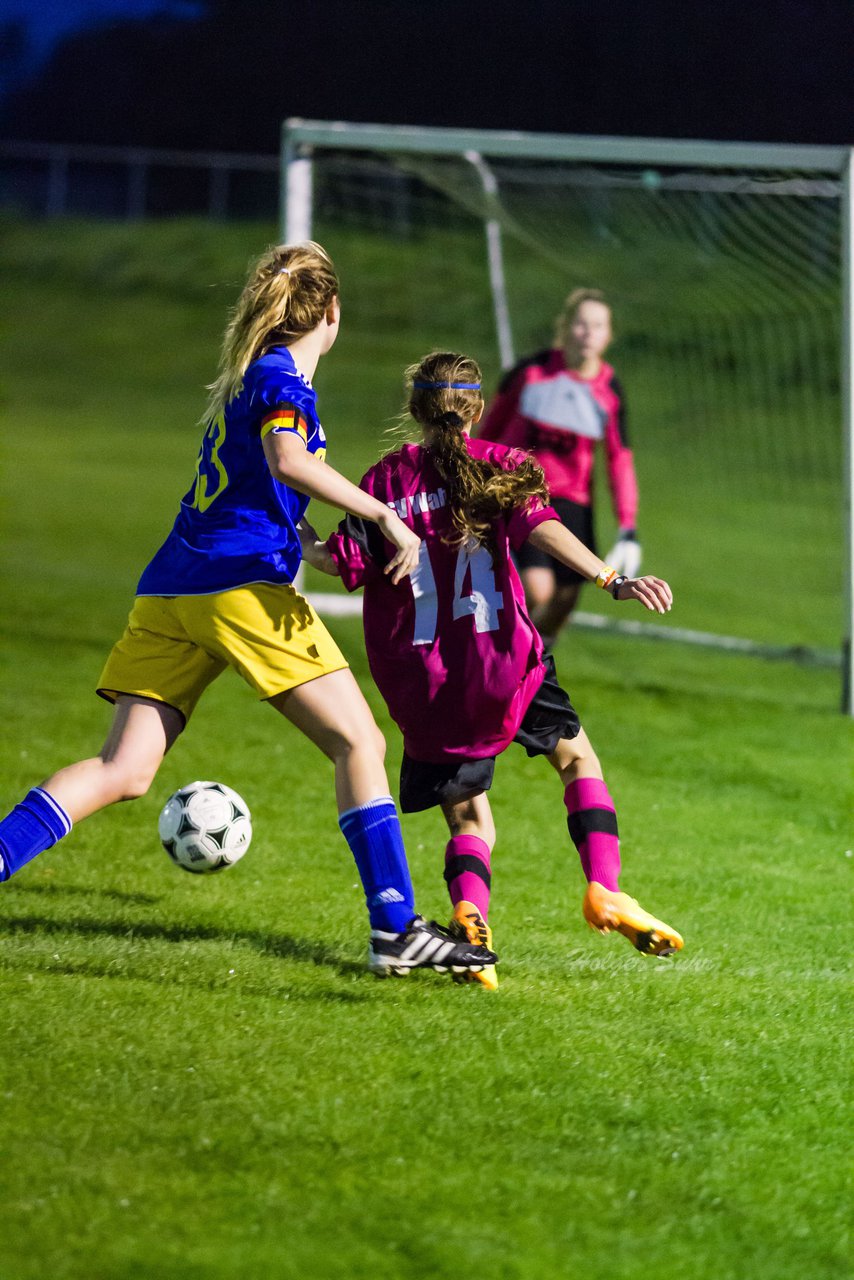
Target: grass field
199 1080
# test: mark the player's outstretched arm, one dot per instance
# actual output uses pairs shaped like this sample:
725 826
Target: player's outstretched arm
315 552
291 463
556 540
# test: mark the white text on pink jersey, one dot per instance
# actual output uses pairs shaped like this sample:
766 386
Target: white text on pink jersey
419 503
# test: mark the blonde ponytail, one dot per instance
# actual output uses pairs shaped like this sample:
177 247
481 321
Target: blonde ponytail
286 295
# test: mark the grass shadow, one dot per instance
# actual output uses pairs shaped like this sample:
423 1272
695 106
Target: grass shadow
70 890
278 946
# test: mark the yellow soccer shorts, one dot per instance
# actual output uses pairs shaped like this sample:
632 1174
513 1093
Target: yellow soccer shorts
174 646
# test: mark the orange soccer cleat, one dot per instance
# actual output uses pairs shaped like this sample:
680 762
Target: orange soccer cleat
467 923
605 910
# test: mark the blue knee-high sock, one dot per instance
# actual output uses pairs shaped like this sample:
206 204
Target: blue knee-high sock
33 826
373 833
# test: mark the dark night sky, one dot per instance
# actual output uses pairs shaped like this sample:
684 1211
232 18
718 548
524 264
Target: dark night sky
224 73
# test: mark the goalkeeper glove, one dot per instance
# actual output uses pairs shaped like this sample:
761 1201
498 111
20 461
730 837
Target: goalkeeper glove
625 555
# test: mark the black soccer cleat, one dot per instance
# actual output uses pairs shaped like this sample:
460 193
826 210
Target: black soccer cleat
425 945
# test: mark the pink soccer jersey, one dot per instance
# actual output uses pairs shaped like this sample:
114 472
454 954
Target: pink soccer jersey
560 417
451 647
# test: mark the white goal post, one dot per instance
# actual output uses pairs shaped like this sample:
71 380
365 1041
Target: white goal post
480 152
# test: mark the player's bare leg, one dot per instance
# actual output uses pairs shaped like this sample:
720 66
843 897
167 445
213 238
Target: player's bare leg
468 875
592 824
141 733
574 758
333 713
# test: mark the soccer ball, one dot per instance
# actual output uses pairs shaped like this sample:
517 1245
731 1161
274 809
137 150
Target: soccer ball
205 826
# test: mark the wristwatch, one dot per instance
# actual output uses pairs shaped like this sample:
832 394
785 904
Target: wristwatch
614 586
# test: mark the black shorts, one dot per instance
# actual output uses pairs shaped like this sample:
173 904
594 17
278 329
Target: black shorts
550 717
578 519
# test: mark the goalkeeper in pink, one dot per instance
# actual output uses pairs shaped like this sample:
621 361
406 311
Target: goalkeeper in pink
560 405
456 657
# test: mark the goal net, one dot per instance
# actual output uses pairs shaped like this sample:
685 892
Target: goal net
725 268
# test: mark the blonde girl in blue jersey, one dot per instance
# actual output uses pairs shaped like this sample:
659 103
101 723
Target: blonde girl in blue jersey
219 593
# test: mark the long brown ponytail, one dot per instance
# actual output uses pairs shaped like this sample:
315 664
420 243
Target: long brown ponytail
444 397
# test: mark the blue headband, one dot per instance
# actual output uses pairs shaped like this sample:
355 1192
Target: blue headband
452 386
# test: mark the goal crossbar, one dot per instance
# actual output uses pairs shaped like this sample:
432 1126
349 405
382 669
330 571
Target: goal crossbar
558 146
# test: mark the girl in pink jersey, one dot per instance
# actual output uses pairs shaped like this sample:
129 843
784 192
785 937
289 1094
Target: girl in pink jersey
559 404
456 657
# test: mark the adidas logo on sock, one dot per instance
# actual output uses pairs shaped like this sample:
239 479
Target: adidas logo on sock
387 895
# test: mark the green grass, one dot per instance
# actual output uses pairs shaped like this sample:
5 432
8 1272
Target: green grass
197 1077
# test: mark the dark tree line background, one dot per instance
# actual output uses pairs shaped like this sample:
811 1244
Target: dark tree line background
757 70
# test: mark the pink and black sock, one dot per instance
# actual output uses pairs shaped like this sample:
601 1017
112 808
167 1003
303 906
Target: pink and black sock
592 823
467 871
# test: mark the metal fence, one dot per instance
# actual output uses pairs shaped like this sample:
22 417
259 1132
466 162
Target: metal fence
54 180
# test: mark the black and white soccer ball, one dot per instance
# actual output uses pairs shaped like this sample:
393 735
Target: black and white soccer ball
205 827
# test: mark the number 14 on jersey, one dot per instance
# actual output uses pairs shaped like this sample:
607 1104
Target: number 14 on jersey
483 601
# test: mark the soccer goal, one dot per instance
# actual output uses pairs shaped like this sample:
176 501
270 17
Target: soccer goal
729 271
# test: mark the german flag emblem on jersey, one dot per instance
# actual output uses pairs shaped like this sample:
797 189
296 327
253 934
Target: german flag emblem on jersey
285 417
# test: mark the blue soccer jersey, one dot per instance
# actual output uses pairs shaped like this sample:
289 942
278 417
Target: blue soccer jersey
237 523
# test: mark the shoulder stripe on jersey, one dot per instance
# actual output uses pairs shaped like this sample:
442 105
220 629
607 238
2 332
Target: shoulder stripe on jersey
285 417
622 417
